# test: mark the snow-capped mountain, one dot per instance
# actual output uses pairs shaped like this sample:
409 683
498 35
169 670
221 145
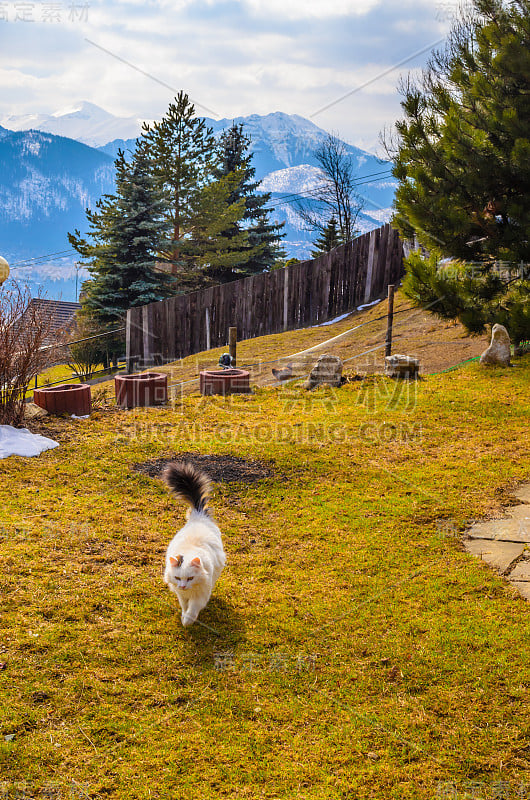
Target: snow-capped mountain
47 181
278 140
85 122
295 185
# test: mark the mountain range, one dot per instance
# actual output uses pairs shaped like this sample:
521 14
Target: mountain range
48 177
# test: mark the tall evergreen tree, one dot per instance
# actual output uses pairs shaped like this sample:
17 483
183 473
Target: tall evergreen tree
462 150
462 156
121 246
328 239
262 246
184 161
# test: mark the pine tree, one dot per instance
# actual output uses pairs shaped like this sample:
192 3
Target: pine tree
328 239
214 252
262 246
462 156
463 148
121 246
184 160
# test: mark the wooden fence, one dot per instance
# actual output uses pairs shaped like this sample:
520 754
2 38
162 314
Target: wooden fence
300 295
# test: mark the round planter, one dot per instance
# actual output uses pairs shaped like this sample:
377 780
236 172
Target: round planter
224 381
66 398
140 389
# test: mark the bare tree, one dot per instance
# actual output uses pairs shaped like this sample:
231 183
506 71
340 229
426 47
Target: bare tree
336 196
25 333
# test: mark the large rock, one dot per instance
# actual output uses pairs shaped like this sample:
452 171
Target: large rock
400 366
328 370
498 353
32 411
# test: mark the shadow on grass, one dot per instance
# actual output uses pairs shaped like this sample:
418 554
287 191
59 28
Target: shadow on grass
219 628
219 624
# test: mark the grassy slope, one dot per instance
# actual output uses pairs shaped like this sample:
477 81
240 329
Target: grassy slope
339 561
437 343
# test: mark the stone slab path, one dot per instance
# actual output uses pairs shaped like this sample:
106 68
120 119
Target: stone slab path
504 544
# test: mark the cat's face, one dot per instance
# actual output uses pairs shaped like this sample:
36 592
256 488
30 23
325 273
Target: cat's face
184 574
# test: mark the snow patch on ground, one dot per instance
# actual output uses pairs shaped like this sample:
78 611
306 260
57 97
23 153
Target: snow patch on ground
335 319
368 305
21 442
347 314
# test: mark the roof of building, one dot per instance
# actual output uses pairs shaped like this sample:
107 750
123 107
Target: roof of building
62 312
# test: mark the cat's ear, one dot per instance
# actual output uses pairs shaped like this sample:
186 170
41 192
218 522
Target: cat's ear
176 562
195 562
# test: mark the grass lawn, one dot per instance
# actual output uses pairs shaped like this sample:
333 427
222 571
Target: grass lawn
352 649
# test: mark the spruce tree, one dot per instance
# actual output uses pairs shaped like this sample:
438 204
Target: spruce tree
200 206
328 239
262 246
462 156
121 246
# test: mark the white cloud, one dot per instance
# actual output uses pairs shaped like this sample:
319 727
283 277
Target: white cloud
300 9
231 56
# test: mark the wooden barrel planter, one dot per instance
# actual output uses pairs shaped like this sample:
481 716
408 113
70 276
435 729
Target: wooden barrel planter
140 389
224 381
66 398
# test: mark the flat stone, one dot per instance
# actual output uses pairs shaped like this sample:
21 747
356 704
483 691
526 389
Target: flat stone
498 555
515 528
521 572
523 588
523 493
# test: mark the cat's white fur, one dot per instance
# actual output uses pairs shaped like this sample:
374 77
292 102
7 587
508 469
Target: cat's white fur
195 558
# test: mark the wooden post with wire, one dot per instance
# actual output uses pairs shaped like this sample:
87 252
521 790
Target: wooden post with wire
232 344
390 319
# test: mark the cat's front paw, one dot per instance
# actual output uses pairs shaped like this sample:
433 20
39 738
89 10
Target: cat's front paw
188 619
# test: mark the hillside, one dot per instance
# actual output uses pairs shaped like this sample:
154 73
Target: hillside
358 339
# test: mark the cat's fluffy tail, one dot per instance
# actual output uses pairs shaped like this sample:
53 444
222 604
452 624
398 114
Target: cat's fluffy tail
189 484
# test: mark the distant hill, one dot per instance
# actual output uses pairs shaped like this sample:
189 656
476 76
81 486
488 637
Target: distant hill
47 181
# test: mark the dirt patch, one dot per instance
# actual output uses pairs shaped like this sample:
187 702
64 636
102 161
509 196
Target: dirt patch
58 428
219 468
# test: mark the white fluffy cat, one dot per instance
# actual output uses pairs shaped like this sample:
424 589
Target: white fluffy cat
195 556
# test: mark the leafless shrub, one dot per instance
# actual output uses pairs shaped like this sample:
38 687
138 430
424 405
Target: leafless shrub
25 338
86 352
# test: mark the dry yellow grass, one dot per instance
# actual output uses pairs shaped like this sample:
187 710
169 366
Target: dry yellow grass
352 649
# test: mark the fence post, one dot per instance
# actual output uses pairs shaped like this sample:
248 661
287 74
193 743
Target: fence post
128 342
232 344
390 319
285 297
207 315
370 267
146 333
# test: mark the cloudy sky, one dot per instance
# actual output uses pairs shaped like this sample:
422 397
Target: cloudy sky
233 57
